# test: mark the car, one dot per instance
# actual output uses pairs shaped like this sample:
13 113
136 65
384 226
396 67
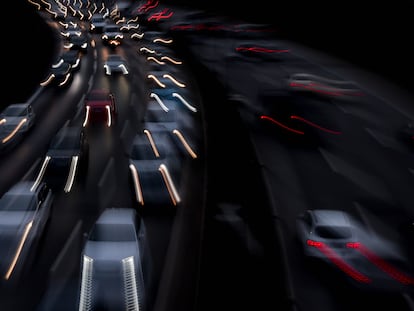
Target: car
115 64
112 36
66 157
332 228
155 170
100 105
71 30
25 210
260 50
79 43
97 22
16 120
323 86
368 259
60 75
115 262
72 57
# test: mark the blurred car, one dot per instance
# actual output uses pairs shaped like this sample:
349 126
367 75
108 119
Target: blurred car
60 74
97 22
79 43
332 228
115 64
72 57
260 50
112 36
323 86
24 213
154 171
367 259
71 30
66 156
112 264
100 105
15 122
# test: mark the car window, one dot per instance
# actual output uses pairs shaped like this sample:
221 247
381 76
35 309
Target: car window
333 232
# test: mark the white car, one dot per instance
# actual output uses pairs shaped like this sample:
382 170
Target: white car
368 260
113 272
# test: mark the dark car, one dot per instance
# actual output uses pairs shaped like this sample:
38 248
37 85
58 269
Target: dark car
24 213
66 158
79 43
115 64
72 57
60 75
112 36
113 266
98 22
100 105
155 170
16 120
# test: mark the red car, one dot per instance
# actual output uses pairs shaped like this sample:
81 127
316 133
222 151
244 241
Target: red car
100 106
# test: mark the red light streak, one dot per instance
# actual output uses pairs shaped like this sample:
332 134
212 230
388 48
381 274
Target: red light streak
260 49
315 125
383 265
341 264
282 125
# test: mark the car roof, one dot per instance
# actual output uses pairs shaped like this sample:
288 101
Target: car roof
67 138
330 218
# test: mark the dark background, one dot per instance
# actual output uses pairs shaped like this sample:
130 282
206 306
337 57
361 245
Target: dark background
374 37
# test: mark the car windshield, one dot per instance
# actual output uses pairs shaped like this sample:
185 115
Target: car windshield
112 29
333 232
15 110
113 233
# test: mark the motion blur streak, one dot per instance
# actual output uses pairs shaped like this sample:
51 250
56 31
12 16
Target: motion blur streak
180 84
332 256
137 184
151 140
192 108
281 125
156 80
185 144
382 264
16 129
315 125
170 184
19 249
176 62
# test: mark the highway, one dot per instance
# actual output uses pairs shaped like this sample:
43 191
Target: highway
231 242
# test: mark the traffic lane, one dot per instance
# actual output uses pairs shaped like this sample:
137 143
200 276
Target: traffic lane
166 234
53 107
334 199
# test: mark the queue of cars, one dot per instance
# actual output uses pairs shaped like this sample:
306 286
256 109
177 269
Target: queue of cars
114 252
